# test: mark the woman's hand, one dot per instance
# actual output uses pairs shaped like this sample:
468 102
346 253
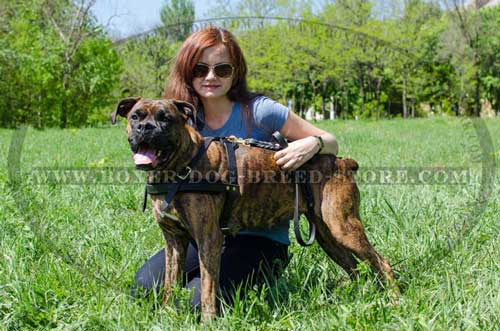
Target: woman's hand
297 153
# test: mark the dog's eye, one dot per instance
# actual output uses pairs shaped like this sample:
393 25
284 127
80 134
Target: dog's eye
138 114
163 117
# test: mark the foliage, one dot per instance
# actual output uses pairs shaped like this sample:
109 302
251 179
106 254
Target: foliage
51 76
361 58
147 63
372 61
149 56
176 16
489 44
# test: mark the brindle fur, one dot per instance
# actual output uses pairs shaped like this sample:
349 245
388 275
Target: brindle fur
260 205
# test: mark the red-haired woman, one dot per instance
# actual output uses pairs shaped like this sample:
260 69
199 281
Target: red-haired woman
210 72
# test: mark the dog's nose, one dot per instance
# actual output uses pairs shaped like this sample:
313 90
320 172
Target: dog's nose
145 127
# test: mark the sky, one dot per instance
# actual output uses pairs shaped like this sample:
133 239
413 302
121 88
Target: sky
125 17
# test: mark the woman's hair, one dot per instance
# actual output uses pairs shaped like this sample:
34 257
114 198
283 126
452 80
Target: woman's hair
179 85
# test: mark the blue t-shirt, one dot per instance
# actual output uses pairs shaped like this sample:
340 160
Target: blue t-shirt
268 116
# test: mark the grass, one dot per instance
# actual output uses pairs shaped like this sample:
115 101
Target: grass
68 253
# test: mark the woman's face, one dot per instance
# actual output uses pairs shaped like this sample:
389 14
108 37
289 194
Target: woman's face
212 86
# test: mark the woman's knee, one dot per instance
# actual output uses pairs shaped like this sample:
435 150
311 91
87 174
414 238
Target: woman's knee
150 276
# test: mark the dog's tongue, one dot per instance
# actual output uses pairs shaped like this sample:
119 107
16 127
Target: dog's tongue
144 156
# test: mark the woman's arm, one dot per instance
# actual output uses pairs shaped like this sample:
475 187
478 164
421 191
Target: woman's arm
303 144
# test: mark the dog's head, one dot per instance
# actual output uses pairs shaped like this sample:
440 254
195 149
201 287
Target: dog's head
154 128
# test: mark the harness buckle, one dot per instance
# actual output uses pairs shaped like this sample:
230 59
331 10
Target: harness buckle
188 171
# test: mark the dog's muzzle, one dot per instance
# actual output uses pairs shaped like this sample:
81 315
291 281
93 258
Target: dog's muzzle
149 145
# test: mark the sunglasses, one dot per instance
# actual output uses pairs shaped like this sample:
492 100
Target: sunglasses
221 70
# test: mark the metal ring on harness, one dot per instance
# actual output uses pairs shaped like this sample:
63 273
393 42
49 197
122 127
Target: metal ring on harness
188 171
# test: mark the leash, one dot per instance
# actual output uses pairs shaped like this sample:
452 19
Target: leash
305 188
302 183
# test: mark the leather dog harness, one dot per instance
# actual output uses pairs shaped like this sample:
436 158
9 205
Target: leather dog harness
182 184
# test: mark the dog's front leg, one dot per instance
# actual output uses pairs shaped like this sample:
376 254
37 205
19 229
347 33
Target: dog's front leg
201 213
209 253
175 255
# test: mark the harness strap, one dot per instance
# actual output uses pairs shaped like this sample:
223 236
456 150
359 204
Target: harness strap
202 186
173 188
183 185
145 199
182 177
203 149
231 195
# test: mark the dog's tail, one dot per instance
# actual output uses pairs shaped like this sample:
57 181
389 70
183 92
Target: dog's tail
345 166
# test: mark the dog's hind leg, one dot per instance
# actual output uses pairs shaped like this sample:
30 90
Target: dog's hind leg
342 233
342 256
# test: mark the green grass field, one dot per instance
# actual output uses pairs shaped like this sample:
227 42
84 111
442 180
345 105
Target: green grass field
68 253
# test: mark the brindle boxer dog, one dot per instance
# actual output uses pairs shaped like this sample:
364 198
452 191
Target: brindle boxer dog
162 139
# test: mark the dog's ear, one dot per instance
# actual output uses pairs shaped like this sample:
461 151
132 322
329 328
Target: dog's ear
124 106
188 110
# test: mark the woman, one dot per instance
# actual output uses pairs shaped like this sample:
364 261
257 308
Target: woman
210 72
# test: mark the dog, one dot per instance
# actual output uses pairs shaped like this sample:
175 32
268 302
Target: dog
162 136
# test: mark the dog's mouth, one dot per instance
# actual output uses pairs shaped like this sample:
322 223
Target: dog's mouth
148 157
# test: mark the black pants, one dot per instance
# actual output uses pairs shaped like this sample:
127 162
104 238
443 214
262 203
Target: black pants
245 260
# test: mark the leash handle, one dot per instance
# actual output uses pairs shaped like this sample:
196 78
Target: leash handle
280 139
296 222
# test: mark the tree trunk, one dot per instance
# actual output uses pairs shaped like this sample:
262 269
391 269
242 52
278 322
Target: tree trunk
64 104
377 94
302 112
389 103
336 107
405 110
346 93
38 124
477 100
323 108
323 102
361 87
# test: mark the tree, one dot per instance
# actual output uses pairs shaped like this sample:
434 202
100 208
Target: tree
148 56
466 25
57 65
73 25
489 45
372 63
177 17
411 32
